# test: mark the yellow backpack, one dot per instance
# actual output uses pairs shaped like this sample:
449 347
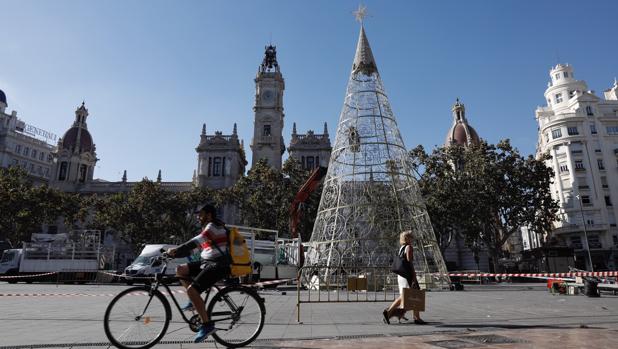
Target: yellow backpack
240 256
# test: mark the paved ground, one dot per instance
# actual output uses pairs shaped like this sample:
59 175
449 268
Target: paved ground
526 314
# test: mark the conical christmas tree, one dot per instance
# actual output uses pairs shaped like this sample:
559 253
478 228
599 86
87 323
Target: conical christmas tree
370 195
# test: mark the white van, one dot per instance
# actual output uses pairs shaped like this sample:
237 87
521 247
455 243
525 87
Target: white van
141 266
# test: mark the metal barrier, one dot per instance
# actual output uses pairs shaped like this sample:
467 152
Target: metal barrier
345 285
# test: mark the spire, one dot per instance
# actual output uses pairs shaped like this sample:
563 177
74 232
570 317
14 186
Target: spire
293 129
204 129
194 176
363 60
269 63
124 176
235 131
459 111
159 177
325 129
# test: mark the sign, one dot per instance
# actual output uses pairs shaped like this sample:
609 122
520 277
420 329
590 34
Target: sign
35 131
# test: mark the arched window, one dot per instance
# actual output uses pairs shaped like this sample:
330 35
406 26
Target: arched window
62 175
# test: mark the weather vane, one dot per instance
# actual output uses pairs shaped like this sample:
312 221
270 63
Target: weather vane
360 13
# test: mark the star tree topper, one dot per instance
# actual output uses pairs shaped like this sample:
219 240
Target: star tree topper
360 13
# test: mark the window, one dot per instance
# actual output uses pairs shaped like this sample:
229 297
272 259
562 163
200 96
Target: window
564 168
317 161
589 111
46 171
571 94
615 239
572 130
33 153
557 133
41 156
608 200
31 168
558 97
565 74
579 165
586 200
604 182
593 129
39 170
18 148
576 242
216 166
612 130
50 158
26 151
594 242
310 162
63 171
15 162
582 183
266 130
600 164
82 173
557 76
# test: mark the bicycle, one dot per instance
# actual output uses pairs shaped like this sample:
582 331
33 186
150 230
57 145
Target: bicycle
138 317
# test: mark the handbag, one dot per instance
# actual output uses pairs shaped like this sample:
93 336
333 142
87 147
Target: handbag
401 266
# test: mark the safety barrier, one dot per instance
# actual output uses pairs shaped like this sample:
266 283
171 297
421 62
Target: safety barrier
341 285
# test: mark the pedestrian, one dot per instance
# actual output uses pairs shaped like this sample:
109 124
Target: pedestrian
213 266
405 240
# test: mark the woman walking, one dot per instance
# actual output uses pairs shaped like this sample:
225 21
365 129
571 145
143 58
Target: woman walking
405 240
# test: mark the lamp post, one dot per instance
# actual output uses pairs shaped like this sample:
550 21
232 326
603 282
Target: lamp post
581 210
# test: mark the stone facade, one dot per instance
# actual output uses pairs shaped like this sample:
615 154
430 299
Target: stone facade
311 150
580 131
20 147
267 140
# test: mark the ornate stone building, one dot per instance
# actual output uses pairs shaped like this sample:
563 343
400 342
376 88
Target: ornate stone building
311 150
267 140
221 159
580 131
20 146
76 155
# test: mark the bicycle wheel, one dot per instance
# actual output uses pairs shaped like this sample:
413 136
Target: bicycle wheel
238 313
134 319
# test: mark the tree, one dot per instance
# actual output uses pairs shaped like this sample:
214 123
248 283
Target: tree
25 207
147 214
487 192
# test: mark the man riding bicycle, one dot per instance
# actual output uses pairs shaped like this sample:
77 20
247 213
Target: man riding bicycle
212 267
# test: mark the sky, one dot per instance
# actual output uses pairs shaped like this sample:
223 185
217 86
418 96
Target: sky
152 72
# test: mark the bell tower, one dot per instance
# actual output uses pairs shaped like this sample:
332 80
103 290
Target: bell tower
267 140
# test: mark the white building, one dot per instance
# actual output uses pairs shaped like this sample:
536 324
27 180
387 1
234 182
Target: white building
24 145
580 131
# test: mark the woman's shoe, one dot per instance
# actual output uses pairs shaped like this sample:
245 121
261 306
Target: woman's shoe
420 322
386 317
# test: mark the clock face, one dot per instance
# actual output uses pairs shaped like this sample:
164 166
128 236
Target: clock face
268 96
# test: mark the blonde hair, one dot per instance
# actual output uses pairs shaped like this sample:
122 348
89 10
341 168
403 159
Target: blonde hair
405 236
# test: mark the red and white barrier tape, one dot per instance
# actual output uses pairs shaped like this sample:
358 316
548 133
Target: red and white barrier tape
532 275
26 276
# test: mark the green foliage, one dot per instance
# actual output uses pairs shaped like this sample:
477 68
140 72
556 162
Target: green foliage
487 192
264 197
25 207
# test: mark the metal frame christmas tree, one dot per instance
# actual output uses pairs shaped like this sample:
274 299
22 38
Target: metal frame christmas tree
370 195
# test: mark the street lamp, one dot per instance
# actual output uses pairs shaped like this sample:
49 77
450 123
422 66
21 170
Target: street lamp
581 210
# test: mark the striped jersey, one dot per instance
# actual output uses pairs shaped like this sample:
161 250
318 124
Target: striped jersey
212 234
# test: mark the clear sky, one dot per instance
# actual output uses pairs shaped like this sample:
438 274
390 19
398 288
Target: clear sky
151 72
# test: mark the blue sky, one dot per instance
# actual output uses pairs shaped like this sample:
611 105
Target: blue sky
151 72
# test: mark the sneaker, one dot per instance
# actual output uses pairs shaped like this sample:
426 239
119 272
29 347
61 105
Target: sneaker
204 331
188 307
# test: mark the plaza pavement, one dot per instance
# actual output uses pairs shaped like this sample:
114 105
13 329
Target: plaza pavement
526 315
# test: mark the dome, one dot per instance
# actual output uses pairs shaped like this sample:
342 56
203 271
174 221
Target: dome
458 135
69 141
3 98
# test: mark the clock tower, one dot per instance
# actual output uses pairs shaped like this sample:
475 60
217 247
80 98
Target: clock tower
267 140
